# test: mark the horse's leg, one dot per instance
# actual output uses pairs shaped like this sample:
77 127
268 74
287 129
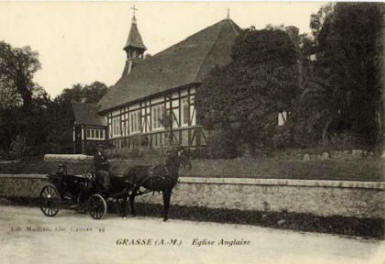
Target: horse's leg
132 200
123 207
166 203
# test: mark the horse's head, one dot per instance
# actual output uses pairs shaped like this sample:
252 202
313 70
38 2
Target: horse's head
184 158
177 157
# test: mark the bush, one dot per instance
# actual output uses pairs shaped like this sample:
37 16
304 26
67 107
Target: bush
17 147
282 138
4 155
138 152
223 144
343 141
45 148
90 148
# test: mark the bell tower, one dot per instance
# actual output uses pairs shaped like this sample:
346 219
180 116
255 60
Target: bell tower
134 47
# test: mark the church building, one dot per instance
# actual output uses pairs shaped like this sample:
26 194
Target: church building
152 104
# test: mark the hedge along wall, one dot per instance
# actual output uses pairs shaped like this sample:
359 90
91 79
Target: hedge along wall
322 198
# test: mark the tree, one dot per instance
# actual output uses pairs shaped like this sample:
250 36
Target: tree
91 93
60 134
344 93
319 19
17 95
245 96
17 67
9 96
28 116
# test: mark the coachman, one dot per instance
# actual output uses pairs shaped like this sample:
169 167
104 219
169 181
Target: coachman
102 169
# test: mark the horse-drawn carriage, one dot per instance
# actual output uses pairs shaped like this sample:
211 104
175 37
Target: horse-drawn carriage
85 194
81 192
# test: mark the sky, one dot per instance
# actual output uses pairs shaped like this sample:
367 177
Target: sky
82 42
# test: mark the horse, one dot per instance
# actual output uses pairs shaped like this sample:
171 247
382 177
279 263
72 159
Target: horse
158 178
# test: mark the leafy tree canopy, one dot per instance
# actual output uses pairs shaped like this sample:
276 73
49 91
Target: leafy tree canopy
17 68
345 89
261 81
90 93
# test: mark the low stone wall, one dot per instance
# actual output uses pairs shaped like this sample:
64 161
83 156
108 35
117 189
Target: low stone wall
22 185
321 198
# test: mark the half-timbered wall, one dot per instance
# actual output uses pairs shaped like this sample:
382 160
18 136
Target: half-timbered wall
146 122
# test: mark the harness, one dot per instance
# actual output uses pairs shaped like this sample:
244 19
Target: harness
149 177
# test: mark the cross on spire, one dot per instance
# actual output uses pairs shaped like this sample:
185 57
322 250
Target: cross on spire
134 9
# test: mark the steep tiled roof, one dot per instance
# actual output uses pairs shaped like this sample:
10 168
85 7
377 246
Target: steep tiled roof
134 38
185 63
87 114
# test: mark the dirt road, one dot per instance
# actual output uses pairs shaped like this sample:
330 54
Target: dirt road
27 236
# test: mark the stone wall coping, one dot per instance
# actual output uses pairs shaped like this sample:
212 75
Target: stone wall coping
67 157
24 175
249 181
286 182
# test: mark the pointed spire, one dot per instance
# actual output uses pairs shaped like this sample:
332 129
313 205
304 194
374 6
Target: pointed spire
228 13
134 39
134 46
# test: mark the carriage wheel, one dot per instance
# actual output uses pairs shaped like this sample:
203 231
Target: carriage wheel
97 206
49 200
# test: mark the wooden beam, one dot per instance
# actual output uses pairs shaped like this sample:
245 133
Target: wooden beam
180 109
151 124
189 121
140 117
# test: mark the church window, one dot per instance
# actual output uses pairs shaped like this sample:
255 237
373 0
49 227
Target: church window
162 112
185 112
135 121
157 115
116 126
131 122
138 122
125 133
109 121
95 133
124 125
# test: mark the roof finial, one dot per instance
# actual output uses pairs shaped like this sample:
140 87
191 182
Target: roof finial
228 13
133 14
